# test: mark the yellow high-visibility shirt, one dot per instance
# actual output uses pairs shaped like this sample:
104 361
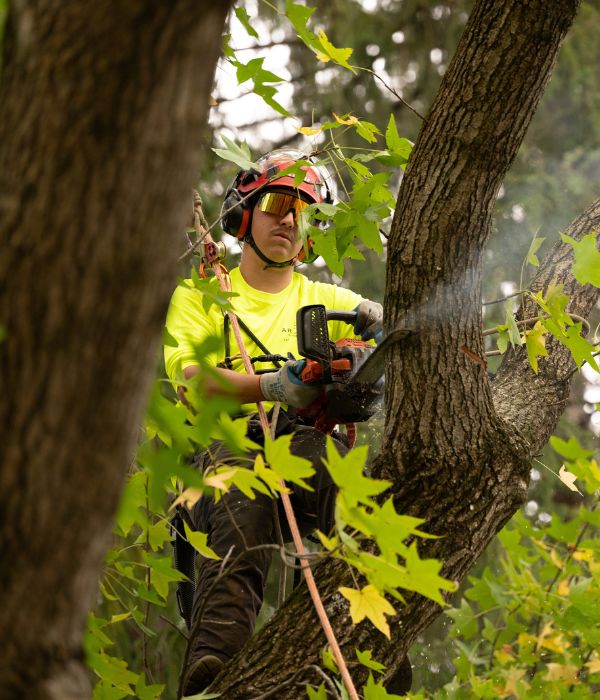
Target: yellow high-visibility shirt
271 317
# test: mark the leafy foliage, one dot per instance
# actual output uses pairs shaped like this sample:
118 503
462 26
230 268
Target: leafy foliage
529 626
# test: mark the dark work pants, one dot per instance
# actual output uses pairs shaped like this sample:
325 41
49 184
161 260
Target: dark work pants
226 603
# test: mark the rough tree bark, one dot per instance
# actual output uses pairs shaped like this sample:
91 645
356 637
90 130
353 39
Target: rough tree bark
457 447
103 106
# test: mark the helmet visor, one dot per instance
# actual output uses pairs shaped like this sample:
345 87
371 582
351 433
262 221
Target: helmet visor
281 203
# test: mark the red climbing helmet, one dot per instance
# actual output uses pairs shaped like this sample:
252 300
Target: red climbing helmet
316 187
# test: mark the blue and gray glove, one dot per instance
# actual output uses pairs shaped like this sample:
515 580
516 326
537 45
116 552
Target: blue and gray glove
286 386
369 321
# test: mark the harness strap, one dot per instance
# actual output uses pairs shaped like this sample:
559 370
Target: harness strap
266 357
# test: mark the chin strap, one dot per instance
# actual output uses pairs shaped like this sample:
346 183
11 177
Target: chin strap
269 263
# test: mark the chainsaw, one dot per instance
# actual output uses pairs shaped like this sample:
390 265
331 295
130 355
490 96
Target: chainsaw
351 371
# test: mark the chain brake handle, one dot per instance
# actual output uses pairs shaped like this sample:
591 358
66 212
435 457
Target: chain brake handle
313 340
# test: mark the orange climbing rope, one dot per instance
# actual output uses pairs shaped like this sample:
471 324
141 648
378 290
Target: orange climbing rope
223 278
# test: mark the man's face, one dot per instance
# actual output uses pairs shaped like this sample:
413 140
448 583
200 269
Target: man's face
276 235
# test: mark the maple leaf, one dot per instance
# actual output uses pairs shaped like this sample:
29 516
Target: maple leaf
219 479
284 464
560 672
536 344
308 130
593 666
351 119
368 603
189 498
586 267
514 682
198 540
347 473
568 479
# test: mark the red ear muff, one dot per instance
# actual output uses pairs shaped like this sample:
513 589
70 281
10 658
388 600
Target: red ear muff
236 214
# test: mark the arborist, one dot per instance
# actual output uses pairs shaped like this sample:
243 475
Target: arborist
261 209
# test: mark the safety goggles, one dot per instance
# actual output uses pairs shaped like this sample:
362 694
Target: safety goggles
280 203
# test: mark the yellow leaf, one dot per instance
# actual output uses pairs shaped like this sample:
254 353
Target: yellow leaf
504 654
514 682
593 666
308 130
368 603
322 56
524 639
218 480
535 340
546 632
583 555
555 643
568 479
188 497
566 673
556 560
118 618
563 587
349 121
330 543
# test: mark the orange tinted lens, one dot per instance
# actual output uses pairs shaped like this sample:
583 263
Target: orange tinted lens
280 204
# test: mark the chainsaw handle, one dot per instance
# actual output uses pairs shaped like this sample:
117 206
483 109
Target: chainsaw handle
348 317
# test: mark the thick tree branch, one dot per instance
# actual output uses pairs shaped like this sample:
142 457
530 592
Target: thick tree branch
532 403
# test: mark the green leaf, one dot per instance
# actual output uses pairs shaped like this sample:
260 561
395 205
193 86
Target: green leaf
318 694
347 473
242 15
366 659
367 131
581 349
198 541
287 466
115 671
132 499
147 692
464 620
328 660
325 245
233 434
330 52
586 267
162 573
503 338
532 258
571 449
423 576
158 534
514 335
240 155
299 16
392 137
536 344
376 691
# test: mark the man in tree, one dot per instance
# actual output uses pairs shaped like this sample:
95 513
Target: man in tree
261 208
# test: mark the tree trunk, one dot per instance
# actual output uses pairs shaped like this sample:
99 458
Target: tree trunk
457 453
103 106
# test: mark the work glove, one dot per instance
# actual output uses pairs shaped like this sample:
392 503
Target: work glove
286 386
369 321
